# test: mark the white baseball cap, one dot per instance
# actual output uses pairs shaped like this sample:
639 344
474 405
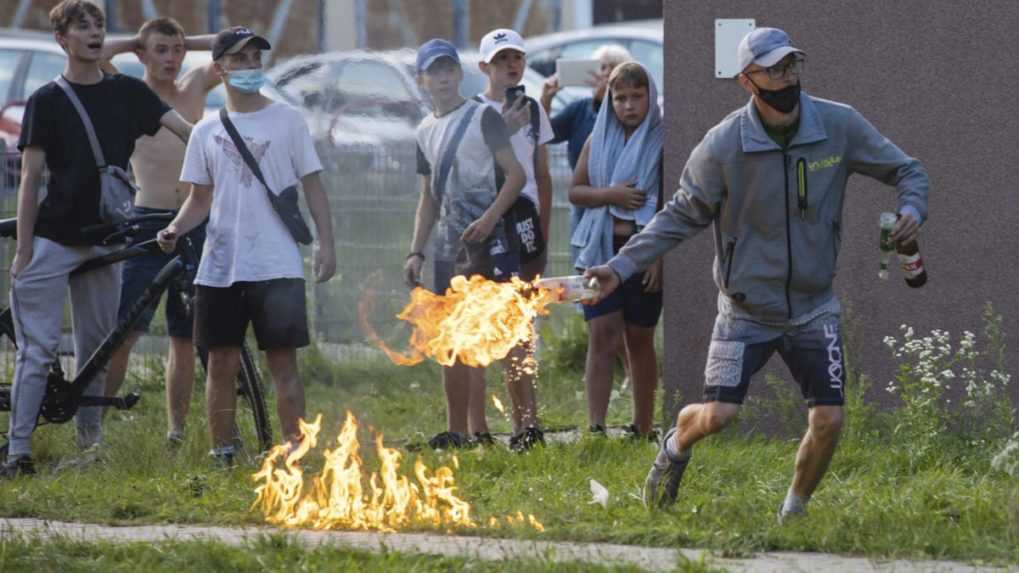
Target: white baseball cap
499 40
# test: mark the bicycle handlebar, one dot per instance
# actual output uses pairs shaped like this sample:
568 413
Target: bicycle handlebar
103 233
106 233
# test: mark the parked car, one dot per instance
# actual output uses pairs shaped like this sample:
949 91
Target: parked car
370 96
644 39
27 61
363 107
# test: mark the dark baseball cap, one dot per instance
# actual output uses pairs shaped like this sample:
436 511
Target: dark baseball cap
233 40
434 49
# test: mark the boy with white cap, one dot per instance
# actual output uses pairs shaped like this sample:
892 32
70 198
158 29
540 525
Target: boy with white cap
503 60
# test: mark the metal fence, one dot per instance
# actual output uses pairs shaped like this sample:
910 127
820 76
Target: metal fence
373 194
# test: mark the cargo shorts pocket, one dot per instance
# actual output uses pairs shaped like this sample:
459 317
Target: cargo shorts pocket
725 363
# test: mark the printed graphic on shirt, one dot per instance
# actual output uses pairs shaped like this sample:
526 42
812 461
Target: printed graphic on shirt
237 160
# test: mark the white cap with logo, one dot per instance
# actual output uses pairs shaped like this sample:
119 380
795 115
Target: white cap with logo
499 40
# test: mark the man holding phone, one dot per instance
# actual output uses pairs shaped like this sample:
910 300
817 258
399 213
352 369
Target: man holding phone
503 60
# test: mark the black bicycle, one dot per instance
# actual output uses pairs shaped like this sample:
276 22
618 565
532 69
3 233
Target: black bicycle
63 397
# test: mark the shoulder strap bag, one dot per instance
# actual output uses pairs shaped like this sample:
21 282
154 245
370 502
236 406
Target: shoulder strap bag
116 191
285 204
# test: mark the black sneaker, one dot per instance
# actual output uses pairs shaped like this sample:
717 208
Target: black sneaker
484 439
531 436
597 430
19 466
224 457
448 441
634 434
661 487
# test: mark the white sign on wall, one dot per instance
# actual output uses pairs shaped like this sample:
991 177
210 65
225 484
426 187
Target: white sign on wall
728 33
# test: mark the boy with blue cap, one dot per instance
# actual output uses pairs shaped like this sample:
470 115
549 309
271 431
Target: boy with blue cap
469 179
770 180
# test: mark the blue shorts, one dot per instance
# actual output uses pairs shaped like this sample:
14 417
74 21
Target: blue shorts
812 351
139 272
639 308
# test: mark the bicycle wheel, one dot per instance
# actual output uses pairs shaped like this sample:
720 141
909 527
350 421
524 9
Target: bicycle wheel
249 386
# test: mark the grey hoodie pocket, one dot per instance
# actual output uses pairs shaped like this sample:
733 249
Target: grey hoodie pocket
725 363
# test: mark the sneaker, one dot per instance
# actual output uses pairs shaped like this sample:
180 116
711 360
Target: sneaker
531 436
597 430
786 516
633 434
224 456
448 441
17 466
661 486
174 440
484 439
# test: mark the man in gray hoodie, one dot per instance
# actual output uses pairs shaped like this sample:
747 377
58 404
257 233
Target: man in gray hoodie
770 180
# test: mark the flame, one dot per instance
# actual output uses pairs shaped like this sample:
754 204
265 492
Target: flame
340 497
498 404
477 321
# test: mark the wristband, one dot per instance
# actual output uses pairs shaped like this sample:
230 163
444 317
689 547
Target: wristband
416 254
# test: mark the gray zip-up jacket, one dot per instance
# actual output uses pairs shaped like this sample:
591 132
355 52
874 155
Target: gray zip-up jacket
776 213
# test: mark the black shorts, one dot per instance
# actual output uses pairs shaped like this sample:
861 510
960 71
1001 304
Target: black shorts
812 352
276 308
639 308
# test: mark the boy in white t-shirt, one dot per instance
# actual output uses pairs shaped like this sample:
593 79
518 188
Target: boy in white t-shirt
470 178
251 268
503 60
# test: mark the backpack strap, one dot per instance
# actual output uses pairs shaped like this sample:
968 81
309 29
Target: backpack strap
90 130
446 163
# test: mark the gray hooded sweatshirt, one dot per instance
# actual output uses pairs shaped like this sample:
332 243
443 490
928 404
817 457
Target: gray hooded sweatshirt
776 212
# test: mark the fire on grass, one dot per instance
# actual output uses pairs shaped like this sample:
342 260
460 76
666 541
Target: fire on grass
337 498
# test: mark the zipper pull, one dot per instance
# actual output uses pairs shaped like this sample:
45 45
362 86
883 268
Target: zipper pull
801 186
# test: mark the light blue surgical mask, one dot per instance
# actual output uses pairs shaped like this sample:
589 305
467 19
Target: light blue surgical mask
247 81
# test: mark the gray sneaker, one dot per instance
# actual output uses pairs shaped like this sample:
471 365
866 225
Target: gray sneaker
662 483
785 517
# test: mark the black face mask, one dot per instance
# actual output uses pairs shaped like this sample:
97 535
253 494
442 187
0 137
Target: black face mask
783 100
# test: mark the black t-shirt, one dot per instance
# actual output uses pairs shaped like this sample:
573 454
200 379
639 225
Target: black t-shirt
122 109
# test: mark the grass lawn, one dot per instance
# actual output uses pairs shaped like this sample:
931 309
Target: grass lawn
879 499
272 553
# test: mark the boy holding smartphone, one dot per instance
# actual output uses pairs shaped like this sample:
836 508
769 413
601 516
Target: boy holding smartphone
503 60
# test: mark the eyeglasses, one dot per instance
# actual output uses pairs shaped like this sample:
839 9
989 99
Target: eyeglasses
792 65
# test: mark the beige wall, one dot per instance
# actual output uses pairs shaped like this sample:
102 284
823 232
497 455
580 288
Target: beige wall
932 76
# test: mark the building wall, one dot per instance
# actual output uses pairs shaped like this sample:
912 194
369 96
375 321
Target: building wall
932 76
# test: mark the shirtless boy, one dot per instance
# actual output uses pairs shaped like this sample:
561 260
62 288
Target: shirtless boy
161 46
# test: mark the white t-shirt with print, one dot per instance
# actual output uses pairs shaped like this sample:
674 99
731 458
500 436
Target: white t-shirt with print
523 146
246 240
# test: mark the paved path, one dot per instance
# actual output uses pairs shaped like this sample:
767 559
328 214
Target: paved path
650 558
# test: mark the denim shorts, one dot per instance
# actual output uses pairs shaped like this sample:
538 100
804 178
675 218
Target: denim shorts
639 308
813 352
139 272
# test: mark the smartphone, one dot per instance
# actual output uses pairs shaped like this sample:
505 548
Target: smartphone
576 72
513 93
